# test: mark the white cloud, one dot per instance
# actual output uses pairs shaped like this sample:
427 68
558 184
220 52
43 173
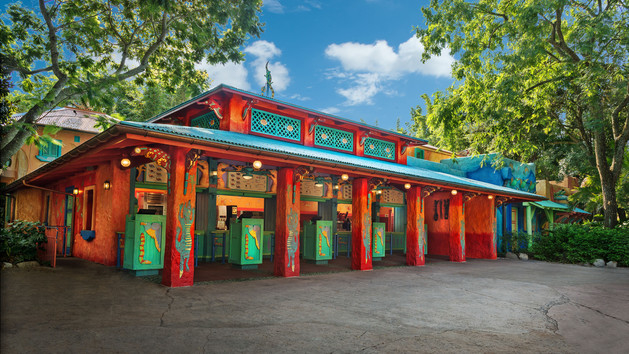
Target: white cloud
330 110
369 67
230 74
299 97
274 6
263 52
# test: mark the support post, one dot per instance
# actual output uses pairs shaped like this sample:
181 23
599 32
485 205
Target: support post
415 227
361 225
179 248
286 256
529 224
457 228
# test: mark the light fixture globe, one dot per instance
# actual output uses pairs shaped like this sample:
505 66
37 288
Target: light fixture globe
125 162
454 192
407 186
257 164
344 177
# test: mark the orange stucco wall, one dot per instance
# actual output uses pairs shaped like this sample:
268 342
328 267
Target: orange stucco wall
25 161
29 204
110 210
438 230
480 218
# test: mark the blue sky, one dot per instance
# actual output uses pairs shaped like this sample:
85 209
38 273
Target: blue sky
358 59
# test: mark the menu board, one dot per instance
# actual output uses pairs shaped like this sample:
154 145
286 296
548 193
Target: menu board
346 191
154 173
257 183
392 196
308 188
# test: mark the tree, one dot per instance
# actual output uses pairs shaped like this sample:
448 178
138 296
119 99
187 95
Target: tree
90 47
536 74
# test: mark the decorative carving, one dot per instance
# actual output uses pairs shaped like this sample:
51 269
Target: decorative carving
269 82
467 196
191 158
501 200
203 168
215 106
183 235
292 242
367 229
428 190
246 110
154 154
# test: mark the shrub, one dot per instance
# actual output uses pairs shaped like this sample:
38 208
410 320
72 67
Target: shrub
20 240
517 242
573 243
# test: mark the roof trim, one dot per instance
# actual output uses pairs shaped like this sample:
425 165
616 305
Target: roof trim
256 143
226 88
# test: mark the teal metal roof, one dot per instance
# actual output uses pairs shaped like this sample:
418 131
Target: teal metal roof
258 143
548 204
223 87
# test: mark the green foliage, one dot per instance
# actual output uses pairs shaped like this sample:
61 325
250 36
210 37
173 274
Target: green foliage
574 243
20 240
540 80
516 242
95 50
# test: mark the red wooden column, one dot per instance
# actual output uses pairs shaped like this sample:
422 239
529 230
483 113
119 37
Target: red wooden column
287 224
457 228
415 227
179 248
361 225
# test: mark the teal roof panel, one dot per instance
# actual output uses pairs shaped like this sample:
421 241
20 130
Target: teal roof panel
283 147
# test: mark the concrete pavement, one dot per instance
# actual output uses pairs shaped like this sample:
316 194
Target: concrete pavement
477 306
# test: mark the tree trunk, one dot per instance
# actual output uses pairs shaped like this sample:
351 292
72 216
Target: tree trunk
610 205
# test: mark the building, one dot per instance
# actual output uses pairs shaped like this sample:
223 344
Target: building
244 176
77 126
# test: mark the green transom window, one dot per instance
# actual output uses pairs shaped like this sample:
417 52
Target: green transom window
49 151
207 121
379 148
334 138
275 125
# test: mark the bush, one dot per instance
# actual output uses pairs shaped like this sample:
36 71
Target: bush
517 242
573 243
20 240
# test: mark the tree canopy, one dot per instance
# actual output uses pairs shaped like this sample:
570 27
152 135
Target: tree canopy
77 51
532 76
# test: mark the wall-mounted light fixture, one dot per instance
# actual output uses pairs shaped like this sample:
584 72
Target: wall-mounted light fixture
247 175
490 197
214 173
107 185
336 186
319 181
344 177
257 164
407 186
75 191
454 192
125 162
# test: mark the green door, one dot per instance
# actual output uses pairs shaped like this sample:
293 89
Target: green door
68 220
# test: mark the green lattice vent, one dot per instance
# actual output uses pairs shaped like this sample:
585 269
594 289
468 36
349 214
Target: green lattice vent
275 125
207 121
379 148
334 138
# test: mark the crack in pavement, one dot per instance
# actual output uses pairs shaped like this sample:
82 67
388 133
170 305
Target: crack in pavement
599 311
172 300
554 326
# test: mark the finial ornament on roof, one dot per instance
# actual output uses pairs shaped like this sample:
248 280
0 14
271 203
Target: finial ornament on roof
269 82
